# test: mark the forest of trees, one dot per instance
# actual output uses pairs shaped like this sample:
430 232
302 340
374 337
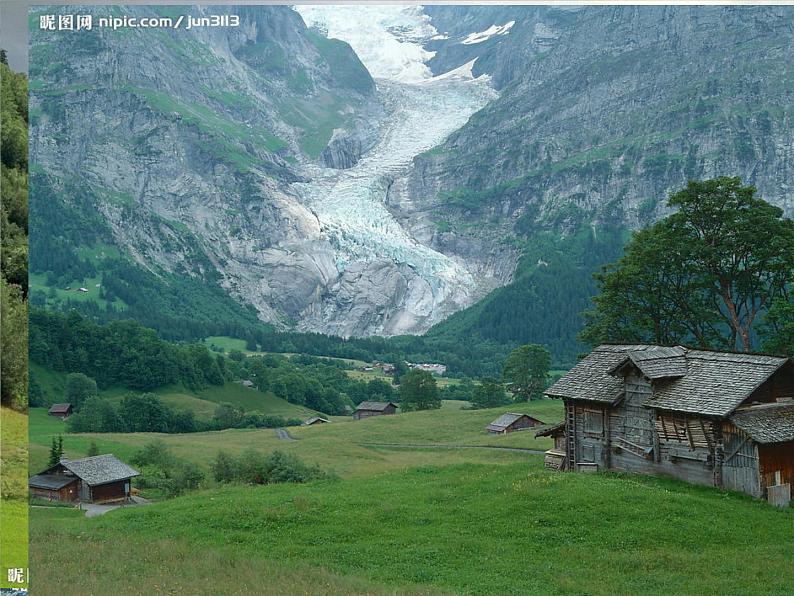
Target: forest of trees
14 235
119 353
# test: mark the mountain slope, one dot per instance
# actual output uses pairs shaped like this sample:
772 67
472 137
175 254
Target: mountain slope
610 110
260 173
179 165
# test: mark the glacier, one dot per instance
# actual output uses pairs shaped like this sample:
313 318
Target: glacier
421 111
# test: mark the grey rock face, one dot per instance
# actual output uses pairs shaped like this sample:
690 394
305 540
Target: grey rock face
612 109
189 153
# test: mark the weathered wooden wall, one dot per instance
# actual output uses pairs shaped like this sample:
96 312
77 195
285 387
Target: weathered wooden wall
740 466
113 491
66 493
779 457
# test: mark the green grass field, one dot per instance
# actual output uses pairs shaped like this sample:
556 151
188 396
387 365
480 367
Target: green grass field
341 445
465 529
13 505
414 512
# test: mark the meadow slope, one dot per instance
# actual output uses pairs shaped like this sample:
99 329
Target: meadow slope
466 529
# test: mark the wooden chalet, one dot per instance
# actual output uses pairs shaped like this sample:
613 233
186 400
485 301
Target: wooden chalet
511 422
715 418
315 420
62 411
367 409
98 479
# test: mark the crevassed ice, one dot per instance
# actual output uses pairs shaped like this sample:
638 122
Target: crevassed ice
422 111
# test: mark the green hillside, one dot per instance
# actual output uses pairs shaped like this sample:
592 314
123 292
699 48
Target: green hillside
351 448
423 505
467 528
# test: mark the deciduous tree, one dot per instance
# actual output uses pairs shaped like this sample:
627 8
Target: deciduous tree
418 391
705 274
526 370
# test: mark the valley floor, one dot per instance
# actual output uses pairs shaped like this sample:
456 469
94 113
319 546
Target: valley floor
403 520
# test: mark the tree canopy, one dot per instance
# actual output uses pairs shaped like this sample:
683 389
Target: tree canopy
526 370
705 275
13 236
418 391
488 393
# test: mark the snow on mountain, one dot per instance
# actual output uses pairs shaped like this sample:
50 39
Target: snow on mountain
387 39
490 32
421 112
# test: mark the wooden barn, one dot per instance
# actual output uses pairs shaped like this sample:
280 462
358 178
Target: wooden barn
62 411
367 409
98 479
716 418
511 422
315 420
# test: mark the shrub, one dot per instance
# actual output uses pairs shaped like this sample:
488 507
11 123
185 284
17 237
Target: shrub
252 467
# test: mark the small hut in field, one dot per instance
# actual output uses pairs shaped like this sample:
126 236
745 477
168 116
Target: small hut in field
367 409
62 411
97 479
511 422
315 420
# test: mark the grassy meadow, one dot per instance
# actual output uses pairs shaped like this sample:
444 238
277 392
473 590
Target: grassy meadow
422 505
343 445
13 505
468 528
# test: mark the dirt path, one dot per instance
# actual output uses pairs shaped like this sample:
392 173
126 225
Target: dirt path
423 446
284 435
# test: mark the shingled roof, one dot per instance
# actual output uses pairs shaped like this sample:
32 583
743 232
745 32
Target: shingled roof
590 379
100 469
713 383
557 429
768 423
60 408
50 481
374 406
506 420
657 363
315 419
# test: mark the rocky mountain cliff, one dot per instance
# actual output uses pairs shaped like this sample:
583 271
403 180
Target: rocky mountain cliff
613 108
186 143
602 112
379 188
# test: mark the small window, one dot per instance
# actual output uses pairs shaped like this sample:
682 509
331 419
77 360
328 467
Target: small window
594 422
588 453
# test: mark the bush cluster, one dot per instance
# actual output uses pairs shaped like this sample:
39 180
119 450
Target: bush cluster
253 467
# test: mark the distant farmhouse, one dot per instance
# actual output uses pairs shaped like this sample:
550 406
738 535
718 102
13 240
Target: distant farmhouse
511 422
315 420
714 418
367 409
385 367
62 411
98 479
432 368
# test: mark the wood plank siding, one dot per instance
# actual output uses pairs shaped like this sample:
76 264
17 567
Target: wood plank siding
710 418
